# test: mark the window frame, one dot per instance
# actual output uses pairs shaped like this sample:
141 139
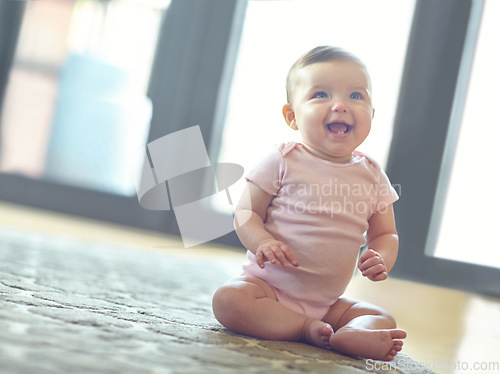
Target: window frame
11 15
434 81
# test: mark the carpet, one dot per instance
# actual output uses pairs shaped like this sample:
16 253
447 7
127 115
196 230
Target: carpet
69 306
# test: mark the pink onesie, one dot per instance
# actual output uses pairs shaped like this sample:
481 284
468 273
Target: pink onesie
321 210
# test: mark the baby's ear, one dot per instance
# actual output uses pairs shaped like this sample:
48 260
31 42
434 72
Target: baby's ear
289 115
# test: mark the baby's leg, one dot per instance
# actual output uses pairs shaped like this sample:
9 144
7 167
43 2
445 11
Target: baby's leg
249 306
364 330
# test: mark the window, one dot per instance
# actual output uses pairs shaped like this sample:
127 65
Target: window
470 192
173 69
444 50
276 33
83 72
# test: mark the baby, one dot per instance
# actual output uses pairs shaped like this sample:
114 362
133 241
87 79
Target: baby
303 216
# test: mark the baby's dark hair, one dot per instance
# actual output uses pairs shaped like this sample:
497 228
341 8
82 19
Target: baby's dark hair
319 54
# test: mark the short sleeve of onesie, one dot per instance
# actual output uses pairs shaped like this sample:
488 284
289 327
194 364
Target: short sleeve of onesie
268 174
386 193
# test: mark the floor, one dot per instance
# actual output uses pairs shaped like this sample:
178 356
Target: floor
448 330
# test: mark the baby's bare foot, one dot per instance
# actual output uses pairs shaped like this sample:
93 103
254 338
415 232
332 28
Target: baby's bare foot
375 344
317 333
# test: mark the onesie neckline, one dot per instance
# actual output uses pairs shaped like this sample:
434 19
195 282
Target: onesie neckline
355 159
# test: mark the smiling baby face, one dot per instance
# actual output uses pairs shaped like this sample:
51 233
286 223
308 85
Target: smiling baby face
331 107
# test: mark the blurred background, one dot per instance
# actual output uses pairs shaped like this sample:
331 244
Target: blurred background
86 84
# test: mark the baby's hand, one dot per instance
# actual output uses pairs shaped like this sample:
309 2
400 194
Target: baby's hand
372 265
275 251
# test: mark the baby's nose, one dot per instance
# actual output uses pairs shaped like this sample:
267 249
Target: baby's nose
339 106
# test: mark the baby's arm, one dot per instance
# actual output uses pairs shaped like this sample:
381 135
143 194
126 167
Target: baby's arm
249 218
383 244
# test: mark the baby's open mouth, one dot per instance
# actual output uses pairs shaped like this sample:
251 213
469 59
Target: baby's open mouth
339 128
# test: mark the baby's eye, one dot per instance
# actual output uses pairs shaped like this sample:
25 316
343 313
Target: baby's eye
320 95
356 96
